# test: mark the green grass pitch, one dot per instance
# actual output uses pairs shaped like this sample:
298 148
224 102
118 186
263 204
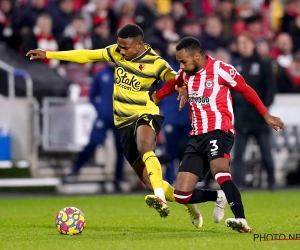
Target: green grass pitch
125 222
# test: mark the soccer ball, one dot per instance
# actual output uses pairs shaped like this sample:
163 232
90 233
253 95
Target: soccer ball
70 221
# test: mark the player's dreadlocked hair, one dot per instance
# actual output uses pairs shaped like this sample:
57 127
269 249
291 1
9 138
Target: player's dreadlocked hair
131 31
189 43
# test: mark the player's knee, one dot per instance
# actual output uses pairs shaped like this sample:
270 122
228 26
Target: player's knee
182 197
219 165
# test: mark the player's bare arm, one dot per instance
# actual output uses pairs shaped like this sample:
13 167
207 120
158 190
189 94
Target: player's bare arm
36 54
252 97
77 56
274 122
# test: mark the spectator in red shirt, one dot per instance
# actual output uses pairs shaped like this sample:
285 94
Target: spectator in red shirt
41 37
282 51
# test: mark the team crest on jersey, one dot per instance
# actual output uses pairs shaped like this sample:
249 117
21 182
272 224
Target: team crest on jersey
142 66
209 84
231 72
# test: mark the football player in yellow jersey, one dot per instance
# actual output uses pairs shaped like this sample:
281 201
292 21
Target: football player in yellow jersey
137 71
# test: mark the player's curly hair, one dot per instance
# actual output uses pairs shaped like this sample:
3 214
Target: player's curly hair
131 31
189 43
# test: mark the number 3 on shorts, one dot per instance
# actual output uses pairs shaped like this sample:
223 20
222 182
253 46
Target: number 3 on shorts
214 144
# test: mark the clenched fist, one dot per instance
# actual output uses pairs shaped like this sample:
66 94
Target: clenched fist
36 54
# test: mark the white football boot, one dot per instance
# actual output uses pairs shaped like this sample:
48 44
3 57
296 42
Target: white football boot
219 210
239 225
195 215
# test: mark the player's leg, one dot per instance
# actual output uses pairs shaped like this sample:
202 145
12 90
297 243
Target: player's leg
192 169
220 201
220 170
145 135
146 141
263 141
142 173
152 200
189 173
127 136
185 182
219 146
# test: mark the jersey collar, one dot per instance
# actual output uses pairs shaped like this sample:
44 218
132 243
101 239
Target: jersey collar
208 61
148 49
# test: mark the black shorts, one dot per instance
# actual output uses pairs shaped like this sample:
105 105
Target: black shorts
201 149
127 135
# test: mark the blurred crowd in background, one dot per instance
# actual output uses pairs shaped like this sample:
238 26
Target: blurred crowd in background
92 24
261 38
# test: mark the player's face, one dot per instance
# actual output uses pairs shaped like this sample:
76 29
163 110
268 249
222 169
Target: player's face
129 47
187 62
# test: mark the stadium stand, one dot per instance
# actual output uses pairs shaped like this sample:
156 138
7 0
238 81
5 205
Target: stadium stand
88 24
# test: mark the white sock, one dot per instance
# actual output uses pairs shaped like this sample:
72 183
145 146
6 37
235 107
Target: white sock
159 192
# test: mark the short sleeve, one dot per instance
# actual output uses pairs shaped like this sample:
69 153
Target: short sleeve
163 70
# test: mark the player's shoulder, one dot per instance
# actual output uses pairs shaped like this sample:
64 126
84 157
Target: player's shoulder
226 67
159 60
221 64
113 48
160 64
149 56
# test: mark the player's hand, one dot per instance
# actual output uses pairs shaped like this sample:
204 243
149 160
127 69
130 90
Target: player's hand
154 98
36 54
274 122
182 96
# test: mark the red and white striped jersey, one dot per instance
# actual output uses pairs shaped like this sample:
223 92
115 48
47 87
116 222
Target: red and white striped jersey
209 96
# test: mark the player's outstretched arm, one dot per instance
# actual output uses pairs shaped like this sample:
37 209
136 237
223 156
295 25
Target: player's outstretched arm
252 97
234 80
274 122
77 56
36 54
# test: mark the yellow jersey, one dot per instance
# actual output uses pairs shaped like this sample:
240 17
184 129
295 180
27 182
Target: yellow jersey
135 80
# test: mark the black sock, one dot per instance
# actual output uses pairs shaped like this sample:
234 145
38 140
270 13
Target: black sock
203 195
234 198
